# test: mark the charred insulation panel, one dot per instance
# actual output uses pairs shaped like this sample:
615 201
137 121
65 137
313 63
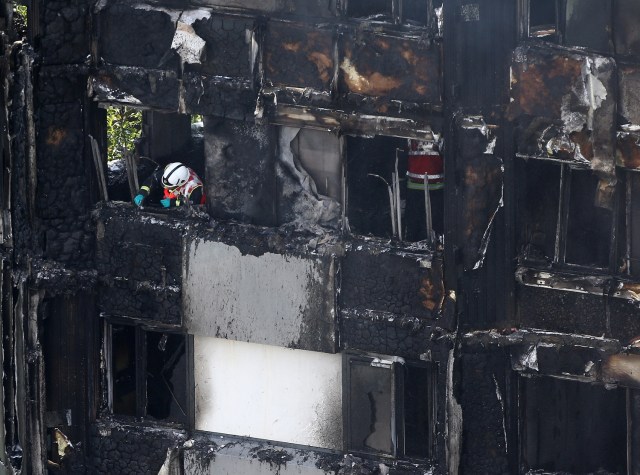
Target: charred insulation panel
396 68
299 56
267 298
140 267
565 105
629 98
396 283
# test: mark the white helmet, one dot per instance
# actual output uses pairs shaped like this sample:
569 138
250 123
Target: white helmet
175 174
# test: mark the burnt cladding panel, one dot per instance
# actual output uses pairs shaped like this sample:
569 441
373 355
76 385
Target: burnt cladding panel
486 33
560 311
134 37
629 109
299 56
228 48
65 36
405 69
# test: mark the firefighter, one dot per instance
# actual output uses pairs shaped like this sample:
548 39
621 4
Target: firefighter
424 159
179 185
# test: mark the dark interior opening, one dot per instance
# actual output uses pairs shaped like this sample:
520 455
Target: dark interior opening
543 16
415 11
562 418
633 233
360 9
538 209
123 354
418 417
370 167
166 377
590 226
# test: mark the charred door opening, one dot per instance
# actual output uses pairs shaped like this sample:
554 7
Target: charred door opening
389 407
148 372
573 427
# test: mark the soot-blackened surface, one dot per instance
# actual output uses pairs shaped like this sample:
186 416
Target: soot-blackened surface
65 32
389 282
484 439
129 449
64 198
561 311
220 97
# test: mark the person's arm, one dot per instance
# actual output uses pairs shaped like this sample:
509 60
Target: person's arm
197 196
147 187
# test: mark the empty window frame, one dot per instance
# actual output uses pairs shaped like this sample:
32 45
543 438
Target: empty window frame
585 23
561 418
147 373
413 12
382 200
562 221
631 251
389 407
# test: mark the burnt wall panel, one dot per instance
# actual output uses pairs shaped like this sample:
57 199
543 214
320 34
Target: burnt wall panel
65 32
208 95
139 264
299 56
386 334
625 324
63 198
560 311
240 171
228 46
135 86
131 450
629 97
134 36
588 24
565 104
484 425
392 283
377 65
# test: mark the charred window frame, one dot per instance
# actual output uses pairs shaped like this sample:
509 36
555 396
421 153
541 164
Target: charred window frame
631 217
147 372
566 225
389 407
412 12
583 23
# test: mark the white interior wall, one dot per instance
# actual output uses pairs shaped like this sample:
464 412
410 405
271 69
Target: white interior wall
268 392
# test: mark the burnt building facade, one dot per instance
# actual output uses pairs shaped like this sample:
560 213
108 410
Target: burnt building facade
318 314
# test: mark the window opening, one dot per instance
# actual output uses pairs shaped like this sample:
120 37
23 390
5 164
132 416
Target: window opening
543 19
561 418
386 188
390 406
631 266
562 221
148 373
20 20
371 9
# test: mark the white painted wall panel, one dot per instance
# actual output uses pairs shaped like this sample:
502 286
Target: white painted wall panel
272 299
267 392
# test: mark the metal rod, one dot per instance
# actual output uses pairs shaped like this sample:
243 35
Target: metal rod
391 200
398 204
427 210
97 161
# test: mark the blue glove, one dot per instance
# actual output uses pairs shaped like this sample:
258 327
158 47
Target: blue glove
138 200
166 202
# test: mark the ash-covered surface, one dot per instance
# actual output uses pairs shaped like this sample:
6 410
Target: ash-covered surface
130 449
